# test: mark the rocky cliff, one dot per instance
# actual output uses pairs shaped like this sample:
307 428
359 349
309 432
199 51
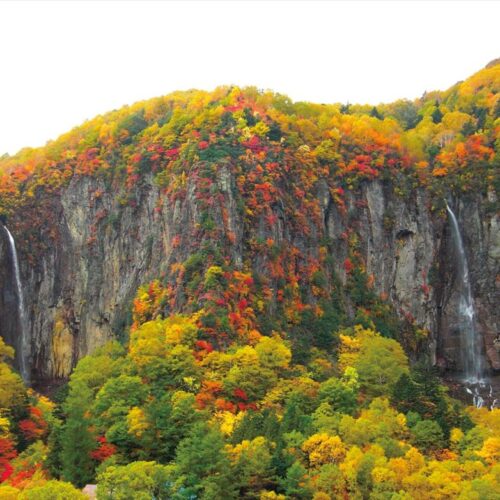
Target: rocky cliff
80 291
309 216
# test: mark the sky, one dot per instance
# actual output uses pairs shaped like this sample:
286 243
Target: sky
64 62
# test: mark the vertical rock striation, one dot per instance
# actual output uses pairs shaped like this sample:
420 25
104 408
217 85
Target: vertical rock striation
79 293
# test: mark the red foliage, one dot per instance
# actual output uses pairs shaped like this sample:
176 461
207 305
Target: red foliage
34 427
254 144
248 281
7 472
104 450
240 394
271 219
206 396
171 153
7 453
204 345
29 429
348 265
225 405
21 478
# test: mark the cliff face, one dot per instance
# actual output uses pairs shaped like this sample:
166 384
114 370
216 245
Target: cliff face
9 318
79 293
310 217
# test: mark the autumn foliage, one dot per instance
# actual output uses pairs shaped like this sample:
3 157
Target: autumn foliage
231 380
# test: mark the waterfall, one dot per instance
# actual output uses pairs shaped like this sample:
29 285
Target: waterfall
23 346
470 340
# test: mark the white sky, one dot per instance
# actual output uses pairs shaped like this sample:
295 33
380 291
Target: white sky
64 62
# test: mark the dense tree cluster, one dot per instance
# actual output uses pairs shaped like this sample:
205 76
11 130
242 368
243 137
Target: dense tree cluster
170 417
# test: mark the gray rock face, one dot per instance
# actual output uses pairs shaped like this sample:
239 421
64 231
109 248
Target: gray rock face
79 293
9 320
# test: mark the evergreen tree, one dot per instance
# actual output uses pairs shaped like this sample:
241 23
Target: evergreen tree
375 113
296 483
204 466
77 440
437 115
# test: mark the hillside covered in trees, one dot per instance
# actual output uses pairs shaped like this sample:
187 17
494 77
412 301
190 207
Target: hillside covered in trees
239 296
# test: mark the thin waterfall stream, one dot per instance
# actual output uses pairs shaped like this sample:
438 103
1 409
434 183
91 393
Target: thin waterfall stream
475 380
23 344
470 340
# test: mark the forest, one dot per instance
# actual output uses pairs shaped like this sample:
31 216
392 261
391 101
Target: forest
225 382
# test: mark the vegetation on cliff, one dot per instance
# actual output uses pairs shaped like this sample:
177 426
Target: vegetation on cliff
231 383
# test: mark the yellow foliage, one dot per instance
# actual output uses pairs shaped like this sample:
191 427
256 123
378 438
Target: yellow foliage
179 396
304 385
11 386
456 436
488 77
4 426
455 120
401 420
350 345
137 422
415 459
271 495
490 450
181 329
377 421
400 467
260 129
324 449
489 420
146 343
383 475
255 452
273 353
9 492
218 362
245 356
472 469
350 466
320 495
228 420
6 351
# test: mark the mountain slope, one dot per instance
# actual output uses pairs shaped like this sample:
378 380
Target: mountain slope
333 214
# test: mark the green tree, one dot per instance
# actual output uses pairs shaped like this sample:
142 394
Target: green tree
77 440
137 480
437 115
428 435
252 463
380 363
12 391
297 484
52 490
203 464
341 397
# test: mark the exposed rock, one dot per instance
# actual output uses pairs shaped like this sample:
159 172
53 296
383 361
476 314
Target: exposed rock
79 293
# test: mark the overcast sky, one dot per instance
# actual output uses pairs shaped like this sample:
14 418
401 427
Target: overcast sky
64 62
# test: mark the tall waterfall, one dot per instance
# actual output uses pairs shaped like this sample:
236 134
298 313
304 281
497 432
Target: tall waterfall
23 345
470 339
